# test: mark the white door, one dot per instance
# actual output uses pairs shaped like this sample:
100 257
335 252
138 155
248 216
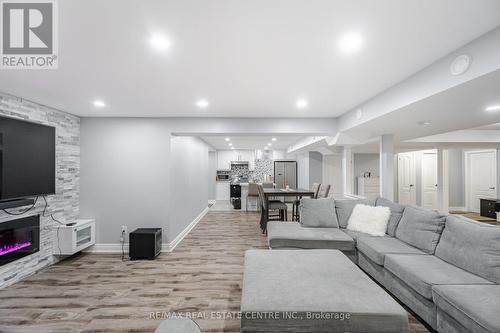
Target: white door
406 179
481 177
332 173
429 180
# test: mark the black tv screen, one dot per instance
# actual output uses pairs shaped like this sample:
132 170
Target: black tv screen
27 159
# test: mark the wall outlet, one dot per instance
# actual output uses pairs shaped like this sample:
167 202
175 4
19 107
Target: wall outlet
124 229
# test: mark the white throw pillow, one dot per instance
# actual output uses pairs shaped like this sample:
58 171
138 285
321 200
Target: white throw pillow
369 219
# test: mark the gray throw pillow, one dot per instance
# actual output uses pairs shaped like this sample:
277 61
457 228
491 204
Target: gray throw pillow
344 209
396 214
421 228
318 213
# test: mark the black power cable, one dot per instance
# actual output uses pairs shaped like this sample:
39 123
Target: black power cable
24 211
55 220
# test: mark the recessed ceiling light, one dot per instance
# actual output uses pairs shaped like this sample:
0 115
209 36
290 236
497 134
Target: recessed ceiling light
301 103
269 144
227 139
202 104
351 42
273 139
424 123
230 144
99 104
493 108
232 147
159 42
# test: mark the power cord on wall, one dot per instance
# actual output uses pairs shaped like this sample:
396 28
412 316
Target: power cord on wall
122 240
55 220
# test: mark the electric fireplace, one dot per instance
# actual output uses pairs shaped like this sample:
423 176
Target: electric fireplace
19 238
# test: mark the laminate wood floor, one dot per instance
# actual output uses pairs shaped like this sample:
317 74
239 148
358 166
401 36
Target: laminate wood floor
100 293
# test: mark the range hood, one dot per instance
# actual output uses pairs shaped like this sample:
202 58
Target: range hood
239 162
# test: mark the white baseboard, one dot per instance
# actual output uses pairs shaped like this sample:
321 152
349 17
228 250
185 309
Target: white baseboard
180 237
169 247
457 209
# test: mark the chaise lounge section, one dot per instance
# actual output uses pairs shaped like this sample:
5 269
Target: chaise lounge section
445 268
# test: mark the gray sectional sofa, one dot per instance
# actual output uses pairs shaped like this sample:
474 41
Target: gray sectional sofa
445 268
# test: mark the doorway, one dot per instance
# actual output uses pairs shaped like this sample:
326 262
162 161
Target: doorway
407 179
429 180
480 177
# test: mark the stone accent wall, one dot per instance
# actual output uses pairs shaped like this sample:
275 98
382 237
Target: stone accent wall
65 204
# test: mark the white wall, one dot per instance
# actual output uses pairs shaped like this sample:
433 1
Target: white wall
189 187
303 170
212 172
124 175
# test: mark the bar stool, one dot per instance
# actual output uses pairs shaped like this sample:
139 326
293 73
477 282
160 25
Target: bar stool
253 192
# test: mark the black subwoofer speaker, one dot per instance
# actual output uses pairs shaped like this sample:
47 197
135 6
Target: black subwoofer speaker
144 243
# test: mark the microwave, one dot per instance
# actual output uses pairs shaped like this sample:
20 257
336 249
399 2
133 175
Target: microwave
223 177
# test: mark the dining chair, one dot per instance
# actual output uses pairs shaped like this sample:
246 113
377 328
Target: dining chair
323 191
272 206
295 207
253 192
315 188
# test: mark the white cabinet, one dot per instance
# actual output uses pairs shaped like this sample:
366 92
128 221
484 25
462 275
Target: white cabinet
72 239
222 191
369 187
249 156
224 158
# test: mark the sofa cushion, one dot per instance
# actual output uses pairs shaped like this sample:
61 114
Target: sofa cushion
421 228
293 235
356 234
376 248
396 214
318 213
344 208
421 272
369 219
475 307
471 245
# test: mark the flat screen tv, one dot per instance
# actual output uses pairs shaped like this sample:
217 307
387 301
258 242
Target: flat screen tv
27 159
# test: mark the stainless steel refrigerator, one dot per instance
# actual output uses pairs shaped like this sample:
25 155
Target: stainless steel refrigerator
285 173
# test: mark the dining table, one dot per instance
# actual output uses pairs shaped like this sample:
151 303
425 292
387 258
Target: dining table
283 192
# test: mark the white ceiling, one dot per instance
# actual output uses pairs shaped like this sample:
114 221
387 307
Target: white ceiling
461 107
251 142
248 58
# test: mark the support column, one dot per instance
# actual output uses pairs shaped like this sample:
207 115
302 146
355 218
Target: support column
347 172
442 180
387 166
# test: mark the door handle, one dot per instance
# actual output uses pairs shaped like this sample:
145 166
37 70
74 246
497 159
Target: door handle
411 185
492 188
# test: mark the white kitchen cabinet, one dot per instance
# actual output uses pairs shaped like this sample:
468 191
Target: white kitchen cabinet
249 156
224 158
222 191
